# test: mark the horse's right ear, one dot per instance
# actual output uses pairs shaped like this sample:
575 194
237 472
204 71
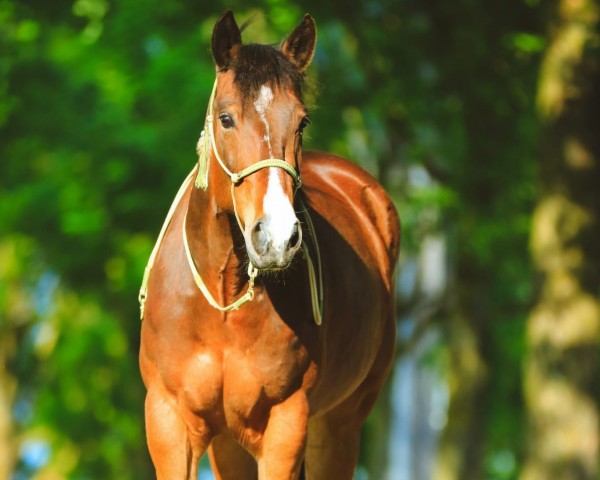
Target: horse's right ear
299 47
226 40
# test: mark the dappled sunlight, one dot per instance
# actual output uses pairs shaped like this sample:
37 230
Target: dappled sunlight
566 323
578 156
568 435
556 221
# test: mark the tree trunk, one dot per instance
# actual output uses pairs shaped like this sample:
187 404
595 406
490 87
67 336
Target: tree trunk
7 388
13 305
460 451
562 370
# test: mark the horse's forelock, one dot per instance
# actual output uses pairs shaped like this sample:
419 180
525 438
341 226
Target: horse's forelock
257 65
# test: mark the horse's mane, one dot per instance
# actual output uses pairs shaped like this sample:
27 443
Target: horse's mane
256 65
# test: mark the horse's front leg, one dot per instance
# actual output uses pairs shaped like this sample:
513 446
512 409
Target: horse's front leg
284 440
174 448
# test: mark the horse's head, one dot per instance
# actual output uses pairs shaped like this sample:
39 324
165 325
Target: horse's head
257 121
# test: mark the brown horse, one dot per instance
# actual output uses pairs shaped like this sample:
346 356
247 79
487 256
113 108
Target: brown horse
260 384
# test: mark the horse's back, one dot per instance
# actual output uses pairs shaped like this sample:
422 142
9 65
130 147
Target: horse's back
355 205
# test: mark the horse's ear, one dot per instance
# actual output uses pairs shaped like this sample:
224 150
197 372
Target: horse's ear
299 47
226 40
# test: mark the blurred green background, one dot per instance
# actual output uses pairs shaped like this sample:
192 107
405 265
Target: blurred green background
482 119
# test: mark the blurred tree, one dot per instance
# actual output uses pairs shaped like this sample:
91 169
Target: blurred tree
563 367
14 310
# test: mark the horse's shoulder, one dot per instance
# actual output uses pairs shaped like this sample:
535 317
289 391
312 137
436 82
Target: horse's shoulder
345 193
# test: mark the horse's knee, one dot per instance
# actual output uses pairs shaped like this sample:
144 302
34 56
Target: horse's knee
174 452
284 440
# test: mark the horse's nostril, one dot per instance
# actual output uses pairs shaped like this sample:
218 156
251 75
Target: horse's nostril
260 238
295 237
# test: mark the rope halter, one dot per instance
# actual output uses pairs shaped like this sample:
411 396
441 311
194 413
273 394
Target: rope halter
205 144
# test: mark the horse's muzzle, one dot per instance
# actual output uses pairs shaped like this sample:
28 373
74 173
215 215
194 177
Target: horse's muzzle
269 249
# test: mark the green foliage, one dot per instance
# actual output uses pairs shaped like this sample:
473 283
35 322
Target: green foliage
97 132
101 103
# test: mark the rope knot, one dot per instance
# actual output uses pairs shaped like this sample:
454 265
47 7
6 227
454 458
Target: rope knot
236 179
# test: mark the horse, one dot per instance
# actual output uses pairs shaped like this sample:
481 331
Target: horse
268 324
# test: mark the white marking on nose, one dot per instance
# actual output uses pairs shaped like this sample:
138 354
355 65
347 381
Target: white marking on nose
265 97
279 213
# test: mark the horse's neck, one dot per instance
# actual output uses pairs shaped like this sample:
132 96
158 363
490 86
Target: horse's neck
213 248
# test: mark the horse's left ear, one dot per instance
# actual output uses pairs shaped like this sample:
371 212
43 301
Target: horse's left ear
226 40
299 47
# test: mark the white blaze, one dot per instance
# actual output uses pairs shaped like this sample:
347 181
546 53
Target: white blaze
261 105
279 213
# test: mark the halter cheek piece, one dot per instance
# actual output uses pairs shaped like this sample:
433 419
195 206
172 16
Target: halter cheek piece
205 144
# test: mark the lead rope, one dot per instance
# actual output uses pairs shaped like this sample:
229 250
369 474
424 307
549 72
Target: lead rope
143 295
315 277
315 274
144 288
247 297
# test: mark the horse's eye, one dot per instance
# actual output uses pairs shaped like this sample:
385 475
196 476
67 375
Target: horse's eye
226 120
303 123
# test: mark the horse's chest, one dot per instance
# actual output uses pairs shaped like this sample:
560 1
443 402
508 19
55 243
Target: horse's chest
247 376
